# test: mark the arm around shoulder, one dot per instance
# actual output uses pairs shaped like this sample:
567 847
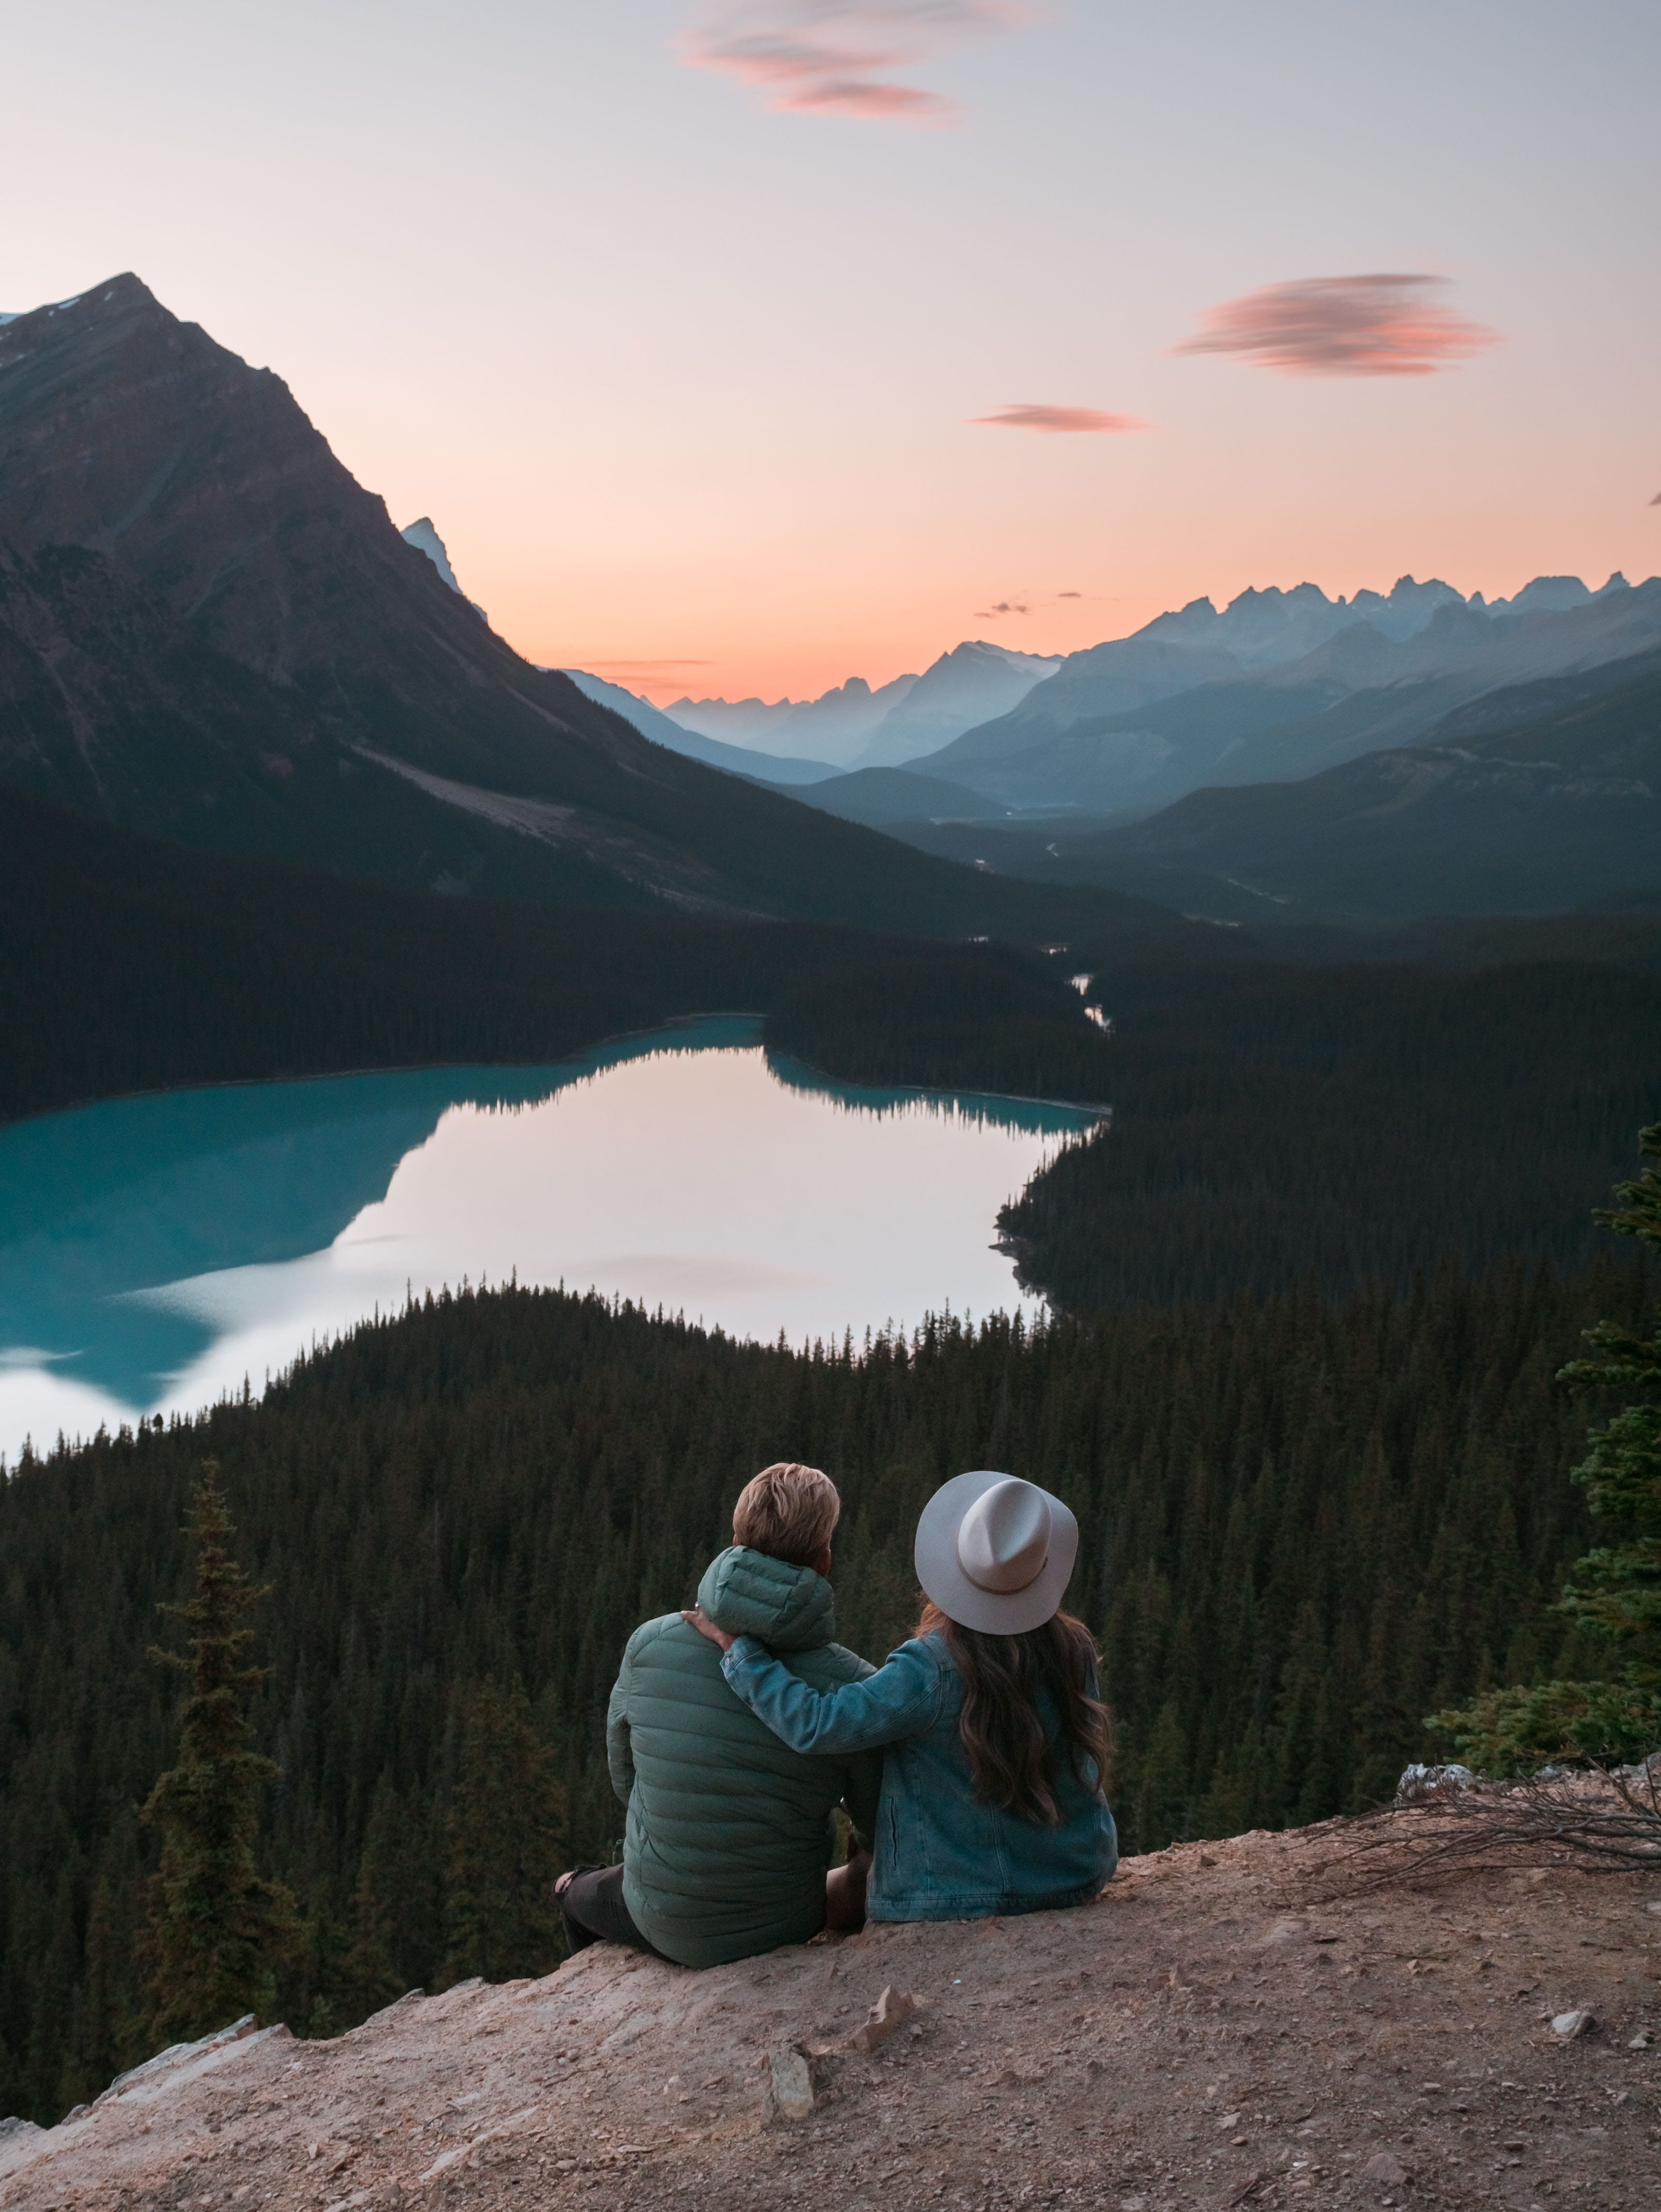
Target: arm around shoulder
901 1699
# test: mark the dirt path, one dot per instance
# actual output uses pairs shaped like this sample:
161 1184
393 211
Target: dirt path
1197 2039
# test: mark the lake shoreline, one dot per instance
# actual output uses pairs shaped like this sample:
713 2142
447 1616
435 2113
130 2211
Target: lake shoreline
1102 1112
160 1248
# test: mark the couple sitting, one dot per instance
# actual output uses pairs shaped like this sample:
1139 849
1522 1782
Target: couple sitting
971 1766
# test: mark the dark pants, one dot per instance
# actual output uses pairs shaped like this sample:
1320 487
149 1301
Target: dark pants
591 1905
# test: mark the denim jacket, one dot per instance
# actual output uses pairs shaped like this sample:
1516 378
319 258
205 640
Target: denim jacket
940 1853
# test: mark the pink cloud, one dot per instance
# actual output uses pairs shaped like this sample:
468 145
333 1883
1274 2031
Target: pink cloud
1380 326
1029 416
840 57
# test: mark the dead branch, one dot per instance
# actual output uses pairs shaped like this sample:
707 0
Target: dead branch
1608 1821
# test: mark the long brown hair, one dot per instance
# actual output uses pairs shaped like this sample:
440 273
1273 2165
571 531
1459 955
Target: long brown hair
1010 1763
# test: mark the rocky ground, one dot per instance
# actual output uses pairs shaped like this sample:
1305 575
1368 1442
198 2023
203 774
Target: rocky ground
1209 2034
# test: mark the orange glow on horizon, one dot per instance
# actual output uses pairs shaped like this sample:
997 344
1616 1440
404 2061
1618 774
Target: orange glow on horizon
712 394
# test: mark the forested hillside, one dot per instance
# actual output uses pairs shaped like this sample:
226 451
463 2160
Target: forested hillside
127 964
1343 1124
1304 1526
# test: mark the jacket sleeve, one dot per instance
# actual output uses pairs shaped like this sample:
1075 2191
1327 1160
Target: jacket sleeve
901 1699
620 1757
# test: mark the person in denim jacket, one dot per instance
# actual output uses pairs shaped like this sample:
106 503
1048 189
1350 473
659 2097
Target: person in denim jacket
995 1741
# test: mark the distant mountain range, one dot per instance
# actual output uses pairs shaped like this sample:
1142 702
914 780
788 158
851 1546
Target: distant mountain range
1276 687
836 726
973 684
854 727
961 687
208 630
1534 799
879 797
1278 684
737 760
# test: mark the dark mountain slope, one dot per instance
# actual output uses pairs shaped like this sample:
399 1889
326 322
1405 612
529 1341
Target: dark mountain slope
126 431
1545 796
134 436
112 703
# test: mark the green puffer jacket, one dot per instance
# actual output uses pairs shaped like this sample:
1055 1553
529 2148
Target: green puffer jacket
726 1840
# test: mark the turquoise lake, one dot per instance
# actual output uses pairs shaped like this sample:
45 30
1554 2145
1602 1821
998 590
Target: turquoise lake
157 1252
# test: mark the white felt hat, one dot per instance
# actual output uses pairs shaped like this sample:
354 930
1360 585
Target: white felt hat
996 1553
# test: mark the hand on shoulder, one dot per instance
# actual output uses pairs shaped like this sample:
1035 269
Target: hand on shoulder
695 1617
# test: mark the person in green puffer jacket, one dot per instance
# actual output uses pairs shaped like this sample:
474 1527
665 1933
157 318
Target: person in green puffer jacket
729 1833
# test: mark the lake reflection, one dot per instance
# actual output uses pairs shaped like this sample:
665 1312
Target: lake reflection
156 1252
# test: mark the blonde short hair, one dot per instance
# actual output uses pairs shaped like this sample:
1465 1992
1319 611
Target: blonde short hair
788 1511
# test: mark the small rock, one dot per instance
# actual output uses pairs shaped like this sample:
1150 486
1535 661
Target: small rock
891 2011
12 2129
1386 2169
790 2083
1285 1931
1569 2024
1639 2042
1419 1782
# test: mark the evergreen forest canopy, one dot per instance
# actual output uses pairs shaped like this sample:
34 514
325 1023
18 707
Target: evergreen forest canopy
1305 1525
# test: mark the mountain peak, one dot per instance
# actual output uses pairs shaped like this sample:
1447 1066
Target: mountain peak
1545 595
135 436
119 295
425 539
1271 596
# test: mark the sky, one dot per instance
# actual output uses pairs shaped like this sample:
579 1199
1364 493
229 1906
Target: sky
738 346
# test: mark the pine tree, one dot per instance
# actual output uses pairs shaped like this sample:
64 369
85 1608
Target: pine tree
372 1977
1615 1592
507 1835
218 1928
